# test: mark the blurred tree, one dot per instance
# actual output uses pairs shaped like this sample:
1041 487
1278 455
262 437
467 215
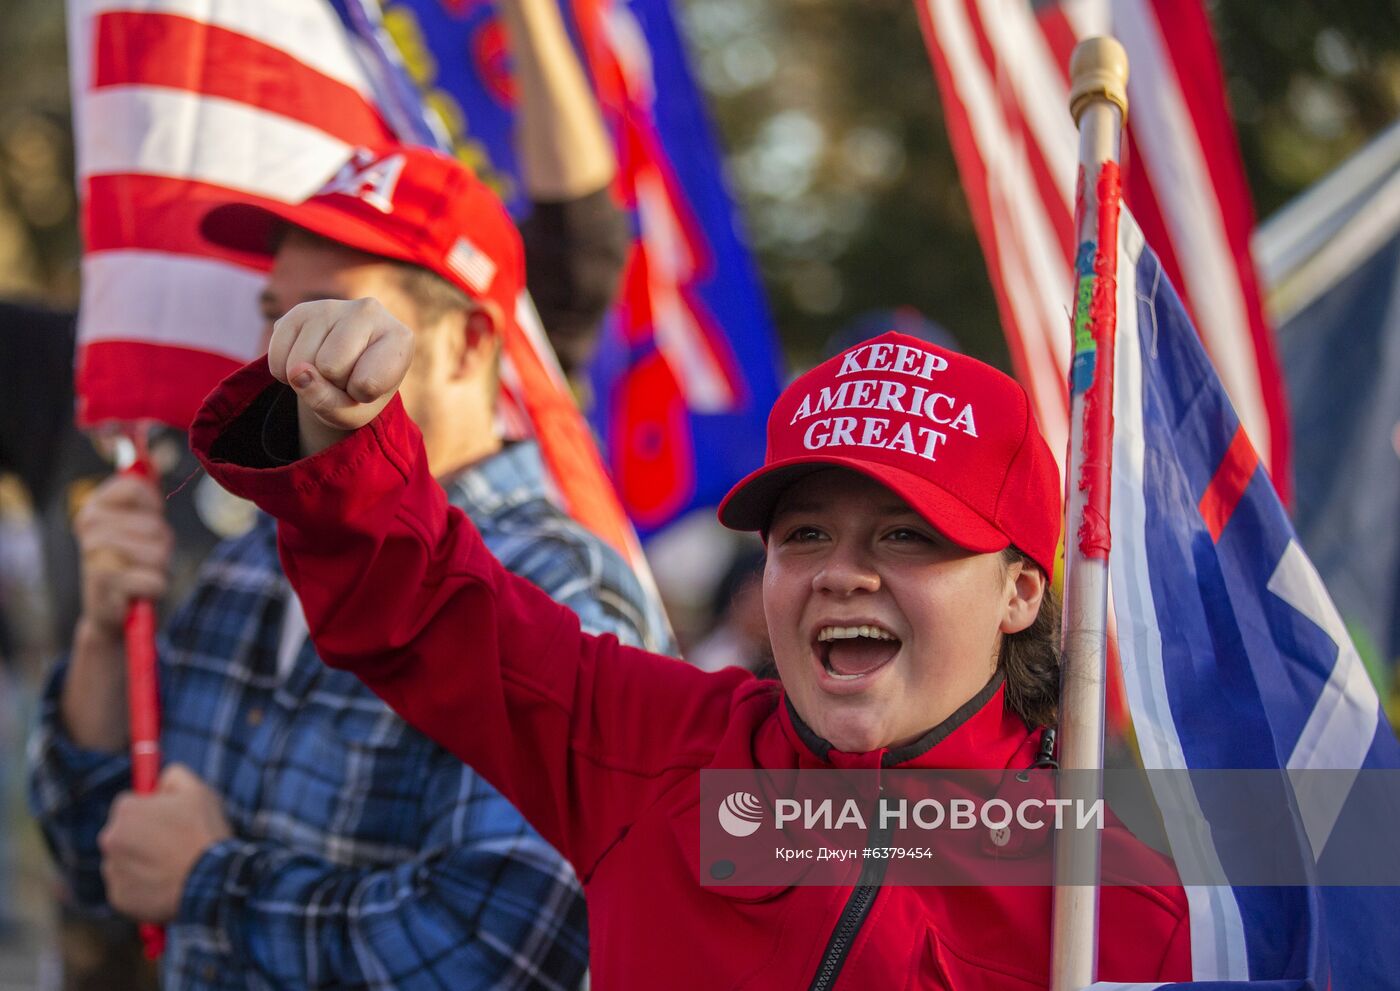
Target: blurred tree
1309 84
841 162
38 220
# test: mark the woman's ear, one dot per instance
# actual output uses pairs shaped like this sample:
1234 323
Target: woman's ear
1025 588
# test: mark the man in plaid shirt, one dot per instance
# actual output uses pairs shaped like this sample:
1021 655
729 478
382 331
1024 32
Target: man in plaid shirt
303 835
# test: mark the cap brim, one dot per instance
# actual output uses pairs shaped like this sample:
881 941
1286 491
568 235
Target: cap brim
750 504
250 228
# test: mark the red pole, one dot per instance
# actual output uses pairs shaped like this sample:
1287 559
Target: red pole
142 696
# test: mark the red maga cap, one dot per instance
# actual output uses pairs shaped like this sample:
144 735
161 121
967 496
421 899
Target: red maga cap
953 437
410 204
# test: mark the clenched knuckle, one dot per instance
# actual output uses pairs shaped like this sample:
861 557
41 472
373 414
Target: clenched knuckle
369 385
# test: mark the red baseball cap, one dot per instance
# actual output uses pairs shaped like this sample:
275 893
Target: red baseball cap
953 437
410 204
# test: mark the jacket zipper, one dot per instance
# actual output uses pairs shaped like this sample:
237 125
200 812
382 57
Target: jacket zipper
853 915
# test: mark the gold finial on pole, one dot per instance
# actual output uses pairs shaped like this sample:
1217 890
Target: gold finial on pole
1098 69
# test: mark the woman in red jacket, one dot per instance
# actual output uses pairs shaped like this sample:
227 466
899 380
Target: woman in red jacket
911 512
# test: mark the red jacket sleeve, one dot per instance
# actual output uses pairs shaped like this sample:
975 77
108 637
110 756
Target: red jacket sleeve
579 732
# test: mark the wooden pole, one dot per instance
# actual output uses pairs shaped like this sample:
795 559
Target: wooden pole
1098 103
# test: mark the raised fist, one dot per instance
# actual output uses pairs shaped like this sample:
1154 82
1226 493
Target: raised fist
344 358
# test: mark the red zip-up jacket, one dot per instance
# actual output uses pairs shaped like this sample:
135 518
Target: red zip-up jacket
600 746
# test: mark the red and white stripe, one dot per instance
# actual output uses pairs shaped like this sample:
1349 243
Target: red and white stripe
183 104
1002 71
271 106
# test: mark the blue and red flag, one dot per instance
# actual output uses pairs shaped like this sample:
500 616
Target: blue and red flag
687 366
1331 261
1233 654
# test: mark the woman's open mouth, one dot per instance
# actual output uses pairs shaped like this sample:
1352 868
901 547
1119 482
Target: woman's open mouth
849 653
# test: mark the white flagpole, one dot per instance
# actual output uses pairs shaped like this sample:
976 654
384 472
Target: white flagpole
1099 104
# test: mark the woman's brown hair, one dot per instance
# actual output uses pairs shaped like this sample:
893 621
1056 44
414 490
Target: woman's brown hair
1030 660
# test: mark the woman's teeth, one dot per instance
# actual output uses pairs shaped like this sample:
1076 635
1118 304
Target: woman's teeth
851 632
851 652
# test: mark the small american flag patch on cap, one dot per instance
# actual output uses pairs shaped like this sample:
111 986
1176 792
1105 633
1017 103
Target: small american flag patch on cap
472 264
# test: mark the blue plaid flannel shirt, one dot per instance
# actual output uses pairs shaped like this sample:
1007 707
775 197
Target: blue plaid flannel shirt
364 856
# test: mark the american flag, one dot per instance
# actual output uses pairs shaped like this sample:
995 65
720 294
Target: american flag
1002 69
472 264
182 104
271 104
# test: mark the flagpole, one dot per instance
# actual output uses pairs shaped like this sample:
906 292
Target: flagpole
143 703
1099 105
